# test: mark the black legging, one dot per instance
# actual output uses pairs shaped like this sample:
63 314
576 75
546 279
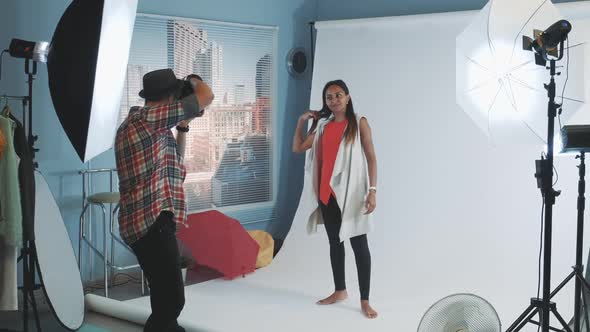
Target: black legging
332 221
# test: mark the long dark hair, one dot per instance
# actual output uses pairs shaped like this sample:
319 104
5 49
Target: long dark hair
352 127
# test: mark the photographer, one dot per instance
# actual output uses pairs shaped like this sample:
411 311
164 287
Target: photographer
151 175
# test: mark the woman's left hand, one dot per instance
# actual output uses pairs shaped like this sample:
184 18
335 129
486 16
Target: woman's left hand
371 202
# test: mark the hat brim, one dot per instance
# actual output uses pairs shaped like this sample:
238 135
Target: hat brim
163 92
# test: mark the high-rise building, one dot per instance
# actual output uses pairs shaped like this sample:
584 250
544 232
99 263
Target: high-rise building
209 65
185 41
202 66
263 76
262 105
216 56
239 94
228 123
261 115
201 150
186 44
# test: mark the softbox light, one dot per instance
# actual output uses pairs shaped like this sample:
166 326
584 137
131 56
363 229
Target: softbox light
86 66
498 83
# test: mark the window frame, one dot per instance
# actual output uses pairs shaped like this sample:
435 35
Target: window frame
232 209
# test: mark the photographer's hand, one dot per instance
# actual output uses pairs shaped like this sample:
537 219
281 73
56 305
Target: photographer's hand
184 123
204 94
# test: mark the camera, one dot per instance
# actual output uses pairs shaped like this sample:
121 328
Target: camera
186 87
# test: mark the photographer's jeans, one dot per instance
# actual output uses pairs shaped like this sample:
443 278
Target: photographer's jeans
158 256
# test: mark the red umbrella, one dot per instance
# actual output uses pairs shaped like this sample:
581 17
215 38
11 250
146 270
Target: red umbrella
220 242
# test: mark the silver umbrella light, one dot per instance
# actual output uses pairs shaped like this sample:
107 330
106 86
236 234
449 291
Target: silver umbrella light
498 83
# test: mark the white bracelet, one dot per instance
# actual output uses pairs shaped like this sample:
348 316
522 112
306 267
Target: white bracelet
373 189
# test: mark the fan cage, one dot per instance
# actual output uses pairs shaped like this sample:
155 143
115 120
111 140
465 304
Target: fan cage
461 312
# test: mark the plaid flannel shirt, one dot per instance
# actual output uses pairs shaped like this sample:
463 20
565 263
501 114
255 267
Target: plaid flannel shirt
150 169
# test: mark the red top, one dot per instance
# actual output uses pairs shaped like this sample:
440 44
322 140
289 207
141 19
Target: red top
330 143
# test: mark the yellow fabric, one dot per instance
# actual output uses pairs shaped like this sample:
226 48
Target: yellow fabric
267 245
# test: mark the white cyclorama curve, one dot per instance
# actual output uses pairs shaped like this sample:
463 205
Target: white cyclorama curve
57 262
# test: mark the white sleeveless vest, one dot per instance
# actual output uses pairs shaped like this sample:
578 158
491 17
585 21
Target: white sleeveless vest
350 182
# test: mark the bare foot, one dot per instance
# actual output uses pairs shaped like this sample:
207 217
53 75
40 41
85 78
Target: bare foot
337 296
367 309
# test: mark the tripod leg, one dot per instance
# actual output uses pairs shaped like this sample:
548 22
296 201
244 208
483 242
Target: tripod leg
585 308
25 263
584 293
524 318
34 263
561 320
585 283
31 296
563 283
551 295
528 319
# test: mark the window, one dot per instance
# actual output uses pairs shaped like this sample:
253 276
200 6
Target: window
229 155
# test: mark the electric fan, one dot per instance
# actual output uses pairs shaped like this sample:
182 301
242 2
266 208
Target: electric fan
460 313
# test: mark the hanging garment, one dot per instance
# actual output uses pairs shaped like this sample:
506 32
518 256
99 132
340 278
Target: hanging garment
8 277
10 217
26 179
2 143
10 202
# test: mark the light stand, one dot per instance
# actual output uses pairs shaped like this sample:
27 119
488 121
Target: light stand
579 268
580 281
29 252
543 305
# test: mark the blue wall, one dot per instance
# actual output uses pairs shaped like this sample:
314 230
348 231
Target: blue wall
36 20
338 9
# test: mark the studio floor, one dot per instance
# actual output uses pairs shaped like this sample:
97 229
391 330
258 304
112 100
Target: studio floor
126 287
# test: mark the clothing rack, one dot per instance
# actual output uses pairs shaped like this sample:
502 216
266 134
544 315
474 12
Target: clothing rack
15 97
28 256
30 71
24 99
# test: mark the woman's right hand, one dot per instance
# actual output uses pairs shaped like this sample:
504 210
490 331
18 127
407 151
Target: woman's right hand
309 115
301 143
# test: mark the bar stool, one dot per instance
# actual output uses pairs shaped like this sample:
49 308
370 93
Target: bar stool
102 199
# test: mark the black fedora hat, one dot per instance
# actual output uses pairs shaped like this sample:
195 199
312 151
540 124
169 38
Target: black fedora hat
159 83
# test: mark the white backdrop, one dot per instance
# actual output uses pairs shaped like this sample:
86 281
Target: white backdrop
454 214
